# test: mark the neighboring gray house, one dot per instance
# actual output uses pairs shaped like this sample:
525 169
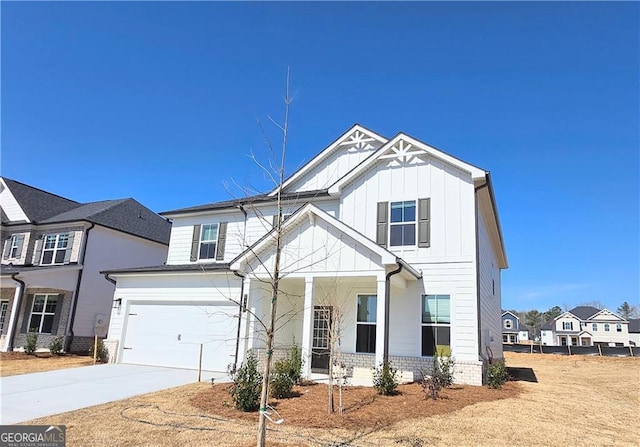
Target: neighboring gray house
53 250
512 330
586 326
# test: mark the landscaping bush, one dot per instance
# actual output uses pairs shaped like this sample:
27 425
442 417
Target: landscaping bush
497 374
102 353
295 363
440 376
56 346
31 342
247 384
385 380
281 379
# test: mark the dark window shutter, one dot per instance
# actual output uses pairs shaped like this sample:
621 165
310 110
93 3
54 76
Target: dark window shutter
222 240
195 243
424 223
20 243
56 316
382 223
37 252
26 316
67 255
7 249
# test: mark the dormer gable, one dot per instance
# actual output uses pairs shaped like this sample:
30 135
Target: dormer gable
336 160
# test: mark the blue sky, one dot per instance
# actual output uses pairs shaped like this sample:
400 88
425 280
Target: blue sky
160 101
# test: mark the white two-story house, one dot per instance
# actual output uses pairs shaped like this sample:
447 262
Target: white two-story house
53 250
586 326
389 245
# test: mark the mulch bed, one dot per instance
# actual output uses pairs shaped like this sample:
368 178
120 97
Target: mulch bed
24 356
363 407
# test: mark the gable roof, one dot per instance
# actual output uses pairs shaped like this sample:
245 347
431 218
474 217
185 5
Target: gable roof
37 204
504 312
584 312
325 153
309 209
124 215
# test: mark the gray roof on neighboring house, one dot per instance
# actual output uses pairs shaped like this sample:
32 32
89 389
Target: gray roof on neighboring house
247 201
584 312
36 203
204 267
547 326
10 269
125 215
634 325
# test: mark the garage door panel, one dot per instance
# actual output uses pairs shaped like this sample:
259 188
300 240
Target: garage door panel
171 334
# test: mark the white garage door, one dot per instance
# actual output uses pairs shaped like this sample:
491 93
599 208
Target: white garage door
171 334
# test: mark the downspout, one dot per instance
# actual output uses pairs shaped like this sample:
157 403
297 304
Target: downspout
387 305
241 302
479 308
15 310
75 295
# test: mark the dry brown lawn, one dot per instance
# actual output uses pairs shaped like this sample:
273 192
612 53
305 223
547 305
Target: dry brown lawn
14 363
578 401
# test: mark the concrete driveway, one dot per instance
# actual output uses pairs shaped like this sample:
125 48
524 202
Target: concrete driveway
29 396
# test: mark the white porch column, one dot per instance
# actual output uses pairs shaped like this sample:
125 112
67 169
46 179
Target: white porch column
307 326
380 320
13 317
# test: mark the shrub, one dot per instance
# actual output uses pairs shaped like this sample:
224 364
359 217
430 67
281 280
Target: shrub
385 380
56 346
497 374
102 353
281 379
31 342
247 384
441 376
295 363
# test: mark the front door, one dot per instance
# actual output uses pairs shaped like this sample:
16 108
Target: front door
321 335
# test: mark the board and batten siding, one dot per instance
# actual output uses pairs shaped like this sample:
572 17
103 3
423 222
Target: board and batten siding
332 168
490 293
452 205
259 222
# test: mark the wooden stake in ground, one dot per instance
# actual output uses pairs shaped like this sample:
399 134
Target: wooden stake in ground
95 349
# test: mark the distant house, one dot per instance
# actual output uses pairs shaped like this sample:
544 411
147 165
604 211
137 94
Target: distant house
586 326
634 332
512 330
53 250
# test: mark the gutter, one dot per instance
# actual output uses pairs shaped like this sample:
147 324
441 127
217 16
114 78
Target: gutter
387 305
478 307
241 306
15 310
74 306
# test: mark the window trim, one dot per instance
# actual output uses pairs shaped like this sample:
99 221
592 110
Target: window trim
44 312
507 323
569 324
618 327
13 246
201 241
594 327
435 324
55 250
607 328
366 323
413 222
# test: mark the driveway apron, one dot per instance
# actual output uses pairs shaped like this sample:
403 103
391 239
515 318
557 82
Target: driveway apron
29 396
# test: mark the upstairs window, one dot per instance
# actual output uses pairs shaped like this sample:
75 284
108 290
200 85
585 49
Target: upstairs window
508 324
54 250
13 246
606 327
618 327
436 325
208 241
402 224
594 327
567 325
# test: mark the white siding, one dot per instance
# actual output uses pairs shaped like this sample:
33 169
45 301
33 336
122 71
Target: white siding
10 205
108 249
452 206
490 297
332 168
